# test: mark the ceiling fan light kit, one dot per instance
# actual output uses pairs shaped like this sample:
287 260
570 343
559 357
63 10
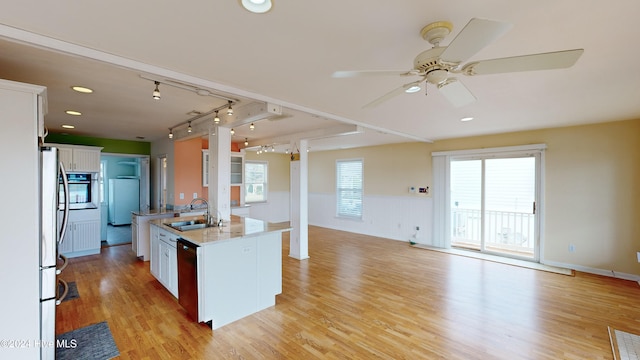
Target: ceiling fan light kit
435 65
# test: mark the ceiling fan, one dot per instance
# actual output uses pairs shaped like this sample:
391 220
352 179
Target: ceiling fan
435 65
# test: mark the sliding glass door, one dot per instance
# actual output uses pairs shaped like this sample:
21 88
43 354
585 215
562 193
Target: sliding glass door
493 205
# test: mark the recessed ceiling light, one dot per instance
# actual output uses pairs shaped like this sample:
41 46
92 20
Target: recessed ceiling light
257 6
82 89
413 89
466 119
68 126
73 112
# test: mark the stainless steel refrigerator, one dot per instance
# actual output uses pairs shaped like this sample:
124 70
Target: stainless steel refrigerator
29 262
51 261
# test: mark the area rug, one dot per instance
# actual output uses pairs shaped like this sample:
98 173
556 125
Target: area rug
625 346
93 342
72 293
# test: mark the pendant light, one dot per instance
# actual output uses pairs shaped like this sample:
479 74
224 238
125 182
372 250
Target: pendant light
251 127
232 131
156 92
170 133
216 119
246 142
189 129
230 109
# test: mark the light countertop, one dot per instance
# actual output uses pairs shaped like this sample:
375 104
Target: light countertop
238 227
165 211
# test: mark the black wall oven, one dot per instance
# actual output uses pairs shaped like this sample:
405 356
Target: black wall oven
80 190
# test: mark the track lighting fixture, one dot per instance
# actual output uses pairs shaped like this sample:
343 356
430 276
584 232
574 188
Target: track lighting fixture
251 127
189 129
246 142
232 131
230 109
156 92
170 133
216 119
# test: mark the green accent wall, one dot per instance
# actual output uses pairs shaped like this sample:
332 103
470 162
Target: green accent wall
108 145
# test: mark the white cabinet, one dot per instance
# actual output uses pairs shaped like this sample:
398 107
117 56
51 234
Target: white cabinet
140 233
79 158
205 167
164 262
237 168
154 250
83 234
135 232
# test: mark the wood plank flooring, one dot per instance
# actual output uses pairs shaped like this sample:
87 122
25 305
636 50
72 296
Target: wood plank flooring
362 297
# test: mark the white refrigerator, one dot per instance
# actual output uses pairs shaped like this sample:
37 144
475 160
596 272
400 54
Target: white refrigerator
124 198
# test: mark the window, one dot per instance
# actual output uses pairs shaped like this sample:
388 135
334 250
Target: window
349 188
255 184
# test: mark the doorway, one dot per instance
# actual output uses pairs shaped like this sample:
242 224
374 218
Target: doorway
493 204
124 187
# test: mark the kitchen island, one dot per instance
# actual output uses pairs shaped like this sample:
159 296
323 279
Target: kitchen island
238 265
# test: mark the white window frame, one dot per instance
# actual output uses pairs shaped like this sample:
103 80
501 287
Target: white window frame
265 184
339 213
441 188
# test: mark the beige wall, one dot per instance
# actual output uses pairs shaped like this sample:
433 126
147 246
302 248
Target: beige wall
278 169
591 197
388 170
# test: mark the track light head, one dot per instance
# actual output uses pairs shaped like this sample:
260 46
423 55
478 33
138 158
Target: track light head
216 119
156 92
230 109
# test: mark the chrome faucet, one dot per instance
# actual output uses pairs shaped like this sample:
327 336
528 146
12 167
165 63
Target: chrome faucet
207 217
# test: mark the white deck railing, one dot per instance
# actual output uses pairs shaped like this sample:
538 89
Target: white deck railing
505 230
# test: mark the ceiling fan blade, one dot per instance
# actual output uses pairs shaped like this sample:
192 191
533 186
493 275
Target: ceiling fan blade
391 94
545 61
456 93
477 34
349 74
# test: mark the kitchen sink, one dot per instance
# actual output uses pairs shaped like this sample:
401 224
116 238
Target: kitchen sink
188 225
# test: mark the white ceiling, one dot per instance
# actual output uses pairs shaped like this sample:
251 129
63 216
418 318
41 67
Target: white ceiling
286 57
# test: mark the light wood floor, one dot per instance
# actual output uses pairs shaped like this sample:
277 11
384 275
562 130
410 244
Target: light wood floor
361 297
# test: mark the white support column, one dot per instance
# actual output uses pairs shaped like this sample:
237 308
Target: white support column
299 236
219 172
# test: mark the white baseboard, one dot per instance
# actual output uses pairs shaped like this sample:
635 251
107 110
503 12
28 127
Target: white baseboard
590 270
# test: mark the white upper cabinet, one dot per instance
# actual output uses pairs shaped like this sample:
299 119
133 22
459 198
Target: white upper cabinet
79 158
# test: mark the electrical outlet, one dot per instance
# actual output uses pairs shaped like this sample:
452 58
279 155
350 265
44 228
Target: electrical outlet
195 195
638 253
181 196
572 248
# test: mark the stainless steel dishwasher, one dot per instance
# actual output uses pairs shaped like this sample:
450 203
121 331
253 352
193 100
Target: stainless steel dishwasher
188 277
